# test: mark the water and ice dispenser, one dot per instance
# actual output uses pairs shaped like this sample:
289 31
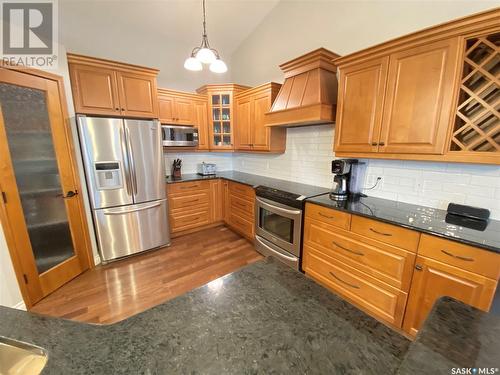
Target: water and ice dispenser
108 175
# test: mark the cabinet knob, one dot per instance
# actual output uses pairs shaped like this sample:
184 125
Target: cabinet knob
374 143
418 267
381 144
117 109
123 109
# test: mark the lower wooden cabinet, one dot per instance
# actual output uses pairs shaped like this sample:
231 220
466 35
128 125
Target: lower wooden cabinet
370 294
392 273
194 205
240 208
433 279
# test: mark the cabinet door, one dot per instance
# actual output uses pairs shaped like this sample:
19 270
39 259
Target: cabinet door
201 122
433 279
166 109
244 122
95 90
360 105
184 111
138 95
259 132
418 106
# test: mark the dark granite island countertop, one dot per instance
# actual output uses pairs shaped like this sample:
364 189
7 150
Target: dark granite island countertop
265 318
455 336
420 218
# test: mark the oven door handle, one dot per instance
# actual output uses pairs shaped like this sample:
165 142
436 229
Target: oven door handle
277 209
293 259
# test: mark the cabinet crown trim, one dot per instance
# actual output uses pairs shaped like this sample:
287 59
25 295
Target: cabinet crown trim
74 58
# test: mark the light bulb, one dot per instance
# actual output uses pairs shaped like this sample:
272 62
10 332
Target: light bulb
218 66
193 64
206 56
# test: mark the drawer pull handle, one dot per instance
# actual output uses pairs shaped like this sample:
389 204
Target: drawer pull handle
467 259
346 249
381 233
345 282
192 201
189 187
240 204
326 216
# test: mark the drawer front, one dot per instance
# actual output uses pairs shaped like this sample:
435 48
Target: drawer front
242 225
186 187
387 233
466 257
189 201
241 190
181 221
393 267
243 205
378 299
328 216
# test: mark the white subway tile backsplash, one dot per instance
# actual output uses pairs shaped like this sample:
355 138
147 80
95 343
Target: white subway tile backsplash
308 157
309 153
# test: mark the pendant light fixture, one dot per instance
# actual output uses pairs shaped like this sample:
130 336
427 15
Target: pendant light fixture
204 54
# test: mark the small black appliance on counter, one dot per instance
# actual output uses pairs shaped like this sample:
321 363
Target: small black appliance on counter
348 179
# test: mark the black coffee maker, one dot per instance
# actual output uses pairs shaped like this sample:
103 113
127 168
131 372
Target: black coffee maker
347 180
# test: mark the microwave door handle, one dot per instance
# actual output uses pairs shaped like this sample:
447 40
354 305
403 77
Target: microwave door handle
126 166
132 161
276 208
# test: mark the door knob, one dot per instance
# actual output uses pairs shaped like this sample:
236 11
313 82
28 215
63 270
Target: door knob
70 194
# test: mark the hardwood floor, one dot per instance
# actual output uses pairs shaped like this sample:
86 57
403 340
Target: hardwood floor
113 292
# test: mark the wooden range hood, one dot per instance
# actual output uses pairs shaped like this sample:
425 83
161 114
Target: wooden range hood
309 94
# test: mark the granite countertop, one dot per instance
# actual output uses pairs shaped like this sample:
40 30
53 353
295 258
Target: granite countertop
420 218
264 318
454 336
254 181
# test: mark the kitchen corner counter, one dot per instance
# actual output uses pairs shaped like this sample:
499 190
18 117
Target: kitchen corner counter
454 336
264 318
419 218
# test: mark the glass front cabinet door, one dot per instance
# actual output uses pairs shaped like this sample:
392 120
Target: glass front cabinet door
221 114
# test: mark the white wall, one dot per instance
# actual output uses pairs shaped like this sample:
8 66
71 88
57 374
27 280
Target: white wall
296 27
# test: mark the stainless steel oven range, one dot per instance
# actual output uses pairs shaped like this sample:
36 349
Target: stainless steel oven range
278 221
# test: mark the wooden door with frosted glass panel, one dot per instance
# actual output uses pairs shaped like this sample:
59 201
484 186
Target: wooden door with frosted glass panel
42 212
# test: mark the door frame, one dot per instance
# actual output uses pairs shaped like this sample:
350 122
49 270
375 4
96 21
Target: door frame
4 219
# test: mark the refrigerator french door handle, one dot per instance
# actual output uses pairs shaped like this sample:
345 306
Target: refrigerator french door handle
111 211
132 161
126 166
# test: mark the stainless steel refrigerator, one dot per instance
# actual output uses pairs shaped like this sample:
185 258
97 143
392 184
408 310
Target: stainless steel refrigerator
125 175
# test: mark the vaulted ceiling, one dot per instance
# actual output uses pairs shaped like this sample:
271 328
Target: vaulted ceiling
159 34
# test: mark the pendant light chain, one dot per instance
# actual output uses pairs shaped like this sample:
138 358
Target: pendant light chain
204 53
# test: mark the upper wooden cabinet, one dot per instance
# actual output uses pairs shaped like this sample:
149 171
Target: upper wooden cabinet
250 131
221 114
177 107
418 102
184 108
104 87
360 105
431 95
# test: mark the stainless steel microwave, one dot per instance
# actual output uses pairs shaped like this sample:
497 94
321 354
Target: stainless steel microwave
179 136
